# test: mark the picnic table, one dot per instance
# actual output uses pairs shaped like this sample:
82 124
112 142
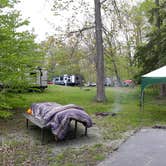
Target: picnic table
42 126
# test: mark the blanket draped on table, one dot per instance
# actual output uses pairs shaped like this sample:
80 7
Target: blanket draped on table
58 116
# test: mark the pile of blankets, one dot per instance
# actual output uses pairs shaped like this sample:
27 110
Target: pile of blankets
58 117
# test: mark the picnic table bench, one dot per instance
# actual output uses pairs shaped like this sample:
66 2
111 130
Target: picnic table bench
42 126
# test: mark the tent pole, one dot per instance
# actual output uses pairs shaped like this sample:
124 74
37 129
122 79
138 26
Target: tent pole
142 101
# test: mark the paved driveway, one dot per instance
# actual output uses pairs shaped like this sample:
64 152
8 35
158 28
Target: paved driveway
146 148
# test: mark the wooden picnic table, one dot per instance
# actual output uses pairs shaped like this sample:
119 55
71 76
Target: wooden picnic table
42 126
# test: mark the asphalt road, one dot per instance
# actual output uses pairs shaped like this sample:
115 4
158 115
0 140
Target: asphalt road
146 148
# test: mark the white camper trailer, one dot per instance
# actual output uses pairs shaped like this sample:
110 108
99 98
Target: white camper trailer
72 80
38 78
34 79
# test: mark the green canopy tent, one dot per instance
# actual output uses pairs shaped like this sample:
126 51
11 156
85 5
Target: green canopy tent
154 77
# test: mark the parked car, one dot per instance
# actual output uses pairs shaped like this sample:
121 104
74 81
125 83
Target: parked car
49 82
92 84
108 81
128 83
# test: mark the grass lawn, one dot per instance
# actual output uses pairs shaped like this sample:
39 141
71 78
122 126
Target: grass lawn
122 101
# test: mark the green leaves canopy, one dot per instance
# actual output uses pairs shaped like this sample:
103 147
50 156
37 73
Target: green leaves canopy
151 55
19 54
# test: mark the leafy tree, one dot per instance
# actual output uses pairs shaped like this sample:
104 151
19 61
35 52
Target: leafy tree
19 54
62 58
151 54
82 7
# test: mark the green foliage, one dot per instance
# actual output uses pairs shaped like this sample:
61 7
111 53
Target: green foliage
19 54
146 8
5 114
151 54
4 107
62 58
122 65
7 3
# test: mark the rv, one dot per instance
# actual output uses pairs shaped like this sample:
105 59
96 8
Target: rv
35 80
71 80
38 78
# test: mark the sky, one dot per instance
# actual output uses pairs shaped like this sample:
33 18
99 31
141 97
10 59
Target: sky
39 14
41 17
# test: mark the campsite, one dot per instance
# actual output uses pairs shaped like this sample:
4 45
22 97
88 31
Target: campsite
104 137
82 83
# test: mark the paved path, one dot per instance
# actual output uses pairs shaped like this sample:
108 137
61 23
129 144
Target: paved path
146 148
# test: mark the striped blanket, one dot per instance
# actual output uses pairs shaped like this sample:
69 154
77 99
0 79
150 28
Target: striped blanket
58 116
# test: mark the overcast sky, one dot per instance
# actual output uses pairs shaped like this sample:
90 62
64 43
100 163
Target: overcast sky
38 12
41 17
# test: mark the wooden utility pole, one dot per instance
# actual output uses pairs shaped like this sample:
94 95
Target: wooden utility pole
100 97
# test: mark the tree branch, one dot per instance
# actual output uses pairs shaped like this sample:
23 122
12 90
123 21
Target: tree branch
117 12
80 30
103 2
78 34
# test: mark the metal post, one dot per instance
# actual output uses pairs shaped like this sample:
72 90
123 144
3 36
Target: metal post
142 101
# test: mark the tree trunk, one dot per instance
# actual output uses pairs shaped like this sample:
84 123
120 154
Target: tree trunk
157 14
163 90
100 97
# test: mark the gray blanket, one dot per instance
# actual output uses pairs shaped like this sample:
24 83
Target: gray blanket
58 117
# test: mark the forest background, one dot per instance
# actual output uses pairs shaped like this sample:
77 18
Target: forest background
134 42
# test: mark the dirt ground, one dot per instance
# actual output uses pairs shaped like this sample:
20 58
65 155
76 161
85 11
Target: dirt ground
22 146
19 142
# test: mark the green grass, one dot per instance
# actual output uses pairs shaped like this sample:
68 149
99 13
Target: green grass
62 95
124 101
66 95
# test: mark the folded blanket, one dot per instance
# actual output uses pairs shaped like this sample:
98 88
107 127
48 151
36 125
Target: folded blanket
58 117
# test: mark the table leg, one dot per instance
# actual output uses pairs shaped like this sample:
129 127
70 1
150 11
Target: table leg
85 131
75 129
27 123
42 136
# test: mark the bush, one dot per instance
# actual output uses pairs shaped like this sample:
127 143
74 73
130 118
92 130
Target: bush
5 114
